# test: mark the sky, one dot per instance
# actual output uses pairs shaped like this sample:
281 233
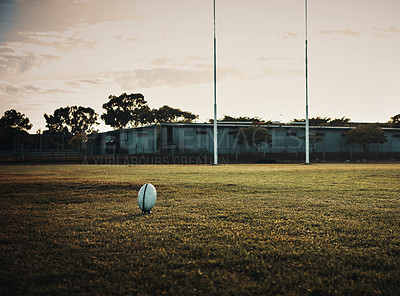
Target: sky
57 53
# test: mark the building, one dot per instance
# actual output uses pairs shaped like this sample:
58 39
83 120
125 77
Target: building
197 138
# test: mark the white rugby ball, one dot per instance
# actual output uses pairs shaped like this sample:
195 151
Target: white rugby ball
147 197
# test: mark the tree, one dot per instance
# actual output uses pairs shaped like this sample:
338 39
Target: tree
126 109
71 120
14 119
59 121
169 114
315 121
365 135
344 121
395 121
318 121
239 119
82 120
13 126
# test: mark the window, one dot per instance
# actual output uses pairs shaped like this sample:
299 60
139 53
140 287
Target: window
291 134
396 136
201 132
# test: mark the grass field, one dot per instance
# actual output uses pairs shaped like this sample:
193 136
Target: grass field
331 229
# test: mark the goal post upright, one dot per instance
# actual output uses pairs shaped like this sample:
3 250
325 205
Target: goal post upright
215 95
307 127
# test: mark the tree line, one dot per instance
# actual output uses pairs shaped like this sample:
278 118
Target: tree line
120 112
132 110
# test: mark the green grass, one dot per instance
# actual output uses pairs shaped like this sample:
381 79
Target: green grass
226 230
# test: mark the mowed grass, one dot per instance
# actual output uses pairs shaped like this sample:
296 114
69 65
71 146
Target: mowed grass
331 229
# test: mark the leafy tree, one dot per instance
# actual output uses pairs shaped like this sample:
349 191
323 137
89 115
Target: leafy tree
239 119
395 121
82 120
71 120
315 121
365 135
126 109
13 126
318 121
169 114
59 121
14 119
344 121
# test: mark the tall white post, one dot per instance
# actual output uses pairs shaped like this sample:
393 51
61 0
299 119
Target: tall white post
215 97
307 121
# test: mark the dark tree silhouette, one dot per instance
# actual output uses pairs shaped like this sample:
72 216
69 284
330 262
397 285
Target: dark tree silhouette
14 119
240 119
59 121
169 114
82 120
395 121
326 121
365 135
71 120
126 109
344 121
13 125
315 121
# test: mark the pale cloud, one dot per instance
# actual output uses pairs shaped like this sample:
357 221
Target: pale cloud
10 89
287 35
28 89
345 32
388 30
71 39
38 49
385 32
88 83
162 61
6 50
191 61
146 78
126 38
22 63
13 95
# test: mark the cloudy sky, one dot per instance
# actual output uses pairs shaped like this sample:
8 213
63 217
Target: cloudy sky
55 53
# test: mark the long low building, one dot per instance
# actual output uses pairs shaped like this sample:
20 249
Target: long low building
233 138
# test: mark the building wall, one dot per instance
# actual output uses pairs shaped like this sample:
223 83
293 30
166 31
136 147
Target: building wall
130 141
198 138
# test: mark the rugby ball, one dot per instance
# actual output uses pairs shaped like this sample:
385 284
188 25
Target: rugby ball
147 197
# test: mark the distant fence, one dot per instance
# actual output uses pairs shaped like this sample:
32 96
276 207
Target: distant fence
30 153
36 146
